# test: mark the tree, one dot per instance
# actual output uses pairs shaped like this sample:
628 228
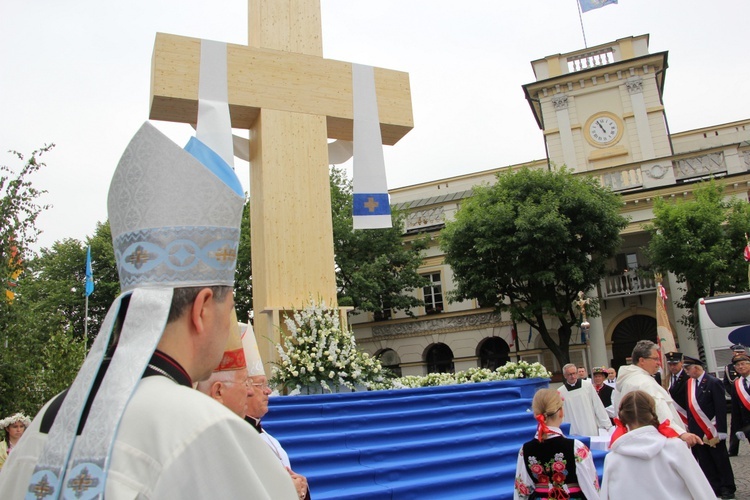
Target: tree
530 242
701 242
243 277
373 267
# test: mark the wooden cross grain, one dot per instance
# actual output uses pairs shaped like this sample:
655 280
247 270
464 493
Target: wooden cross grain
291 99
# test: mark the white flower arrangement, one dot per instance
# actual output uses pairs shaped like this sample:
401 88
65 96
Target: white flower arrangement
18 417
319 353
509 371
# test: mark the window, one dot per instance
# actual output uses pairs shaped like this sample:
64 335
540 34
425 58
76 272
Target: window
493 353
439 359
433 294
391 360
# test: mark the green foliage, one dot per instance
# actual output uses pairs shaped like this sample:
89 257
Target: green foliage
701 242
530 242
373 267
243 277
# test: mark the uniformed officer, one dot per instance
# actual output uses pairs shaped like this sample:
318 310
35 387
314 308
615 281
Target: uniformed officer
707 417
730 374
677 387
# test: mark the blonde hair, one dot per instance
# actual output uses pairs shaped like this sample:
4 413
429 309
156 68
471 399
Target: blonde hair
638 409
546 402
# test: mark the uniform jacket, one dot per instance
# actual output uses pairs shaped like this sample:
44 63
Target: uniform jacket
678 390
710 397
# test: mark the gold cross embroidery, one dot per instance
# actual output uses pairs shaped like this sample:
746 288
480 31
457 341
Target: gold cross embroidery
41 489
225 254
82 482
139 257
371 204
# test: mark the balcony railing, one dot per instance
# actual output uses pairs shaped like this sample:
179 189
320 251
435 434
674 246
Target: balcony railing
627 283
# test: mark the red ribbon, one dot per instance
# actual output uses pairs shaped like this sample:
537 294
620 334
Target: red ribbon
667 431
541 428
664 429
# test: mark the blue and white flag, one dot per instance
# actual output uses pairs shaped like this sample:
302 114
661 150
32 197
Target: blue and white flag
89 274
587 5
372 209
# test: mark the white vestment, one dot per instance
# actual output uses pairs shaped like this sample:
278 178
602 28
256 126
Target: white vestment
173 442
276 448
633 377
645 464
583 410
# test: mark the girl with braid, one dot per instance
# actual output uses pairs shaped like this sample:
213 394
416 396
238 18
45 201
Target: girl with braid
645 461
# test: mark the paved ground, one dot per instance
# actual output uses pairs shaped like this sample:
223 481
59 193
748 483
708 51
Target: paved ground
741 468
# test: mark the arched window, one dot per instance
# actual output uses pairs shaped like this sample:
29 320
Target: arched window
391 360
627 333
439 358
493 353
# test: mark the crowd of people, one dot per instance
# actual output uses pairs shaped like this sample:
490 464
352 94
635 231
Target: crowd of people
674 439
133 425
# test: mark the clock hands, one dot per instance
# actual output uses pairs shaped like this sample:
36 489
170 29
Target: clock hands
601 127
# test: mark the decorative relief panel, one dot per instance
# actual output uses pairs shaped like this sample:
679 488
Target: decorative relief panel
425 218
712 163
634 86
439 325
560 102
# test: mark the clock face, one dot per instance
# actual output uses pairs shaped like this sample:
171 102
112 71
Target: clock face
603 130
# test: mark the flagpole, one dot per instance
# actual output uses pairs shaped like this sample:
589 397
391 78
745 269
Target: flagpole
580 17
86 320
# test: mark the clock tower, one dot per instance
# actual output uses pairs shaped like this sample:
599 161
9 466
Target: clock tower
602 107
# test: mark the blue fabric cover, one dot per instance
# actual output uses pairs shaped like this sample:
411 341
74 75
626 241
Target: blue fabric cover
450 442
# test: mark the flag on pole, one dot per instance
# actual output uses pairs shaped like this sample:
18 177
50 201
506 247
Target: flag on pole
513 336
746 254
664 334
587 5
530 332
89 274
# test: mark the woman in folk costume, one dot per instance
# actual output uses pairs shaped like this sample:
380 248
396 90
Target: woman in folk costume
645 461
551 465
14 426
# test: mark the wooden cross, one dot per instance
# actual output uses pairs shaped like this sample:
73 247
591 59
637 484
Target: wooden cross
291 100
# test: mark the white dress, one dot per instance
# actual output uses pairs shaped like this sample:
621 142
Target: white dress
585 471
633 377
175 443
583 409
645 464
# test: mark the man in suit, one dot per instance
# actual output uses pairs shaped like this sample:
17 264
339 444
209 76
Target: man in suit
707 418
741 396
730 374
677 383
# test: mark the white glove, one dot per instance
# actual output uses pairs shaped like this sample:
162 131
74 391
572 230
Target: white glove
740 435
722 436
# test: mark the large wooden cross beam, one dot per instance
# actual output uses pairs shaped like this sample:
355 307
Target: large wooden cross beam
291 99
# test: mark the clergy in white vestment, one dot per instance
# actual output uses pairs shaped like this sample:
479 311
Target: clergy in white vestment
131 425
639 376
257 406
583 409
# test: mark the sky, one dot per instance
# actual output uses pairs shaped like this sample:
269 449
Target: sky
76 73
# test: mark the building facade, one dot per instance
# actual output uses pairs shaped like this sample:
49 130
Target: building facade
601 113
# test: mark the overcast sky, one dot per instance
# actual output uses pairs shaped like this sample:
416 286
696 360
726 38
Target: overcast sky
76 73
